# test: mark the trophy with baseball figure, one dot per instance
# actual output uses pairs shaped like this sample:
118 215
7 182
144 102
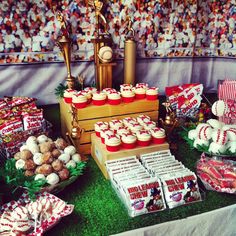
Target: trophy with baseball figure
103 54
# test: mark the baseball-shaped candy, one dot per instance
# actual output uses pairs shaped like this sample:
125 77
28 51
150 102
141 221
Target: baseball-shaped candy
38 158
20 164
24 147
217 148
220 136
42 138
105 53
231 134
215 124
52 179
200 125
33 147
231 146
205 132
76 157
65 157
219 108
71 150
39 176
71 164
30 140
200 142
192 134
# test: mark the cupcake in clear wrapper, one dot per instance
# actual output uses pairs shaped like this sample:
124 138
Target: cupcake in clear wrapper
129 141
158 135
143 138
140 92
99 98
135 127
143 119
68 94
88 94
90 89
128 95
114 98
115 124
104 132
125 86
79 100
129 120
100 125
113 143
152 93
149 125
123 130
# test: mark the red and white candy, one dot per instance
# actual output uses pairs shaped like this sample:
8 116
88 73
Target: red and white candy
205 132
219 108
220 136
217 148
231 134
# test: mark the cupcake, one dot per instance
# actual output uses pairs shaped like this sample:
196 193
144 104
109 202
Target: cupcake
135 127
143 85
158 135
114 98
68 93
100 125
90 89
108 90
128 95
152 93
115 124
123 130
125 86
112 143
143 119
128 120
79 100
149 125
104 133
144 138
88 95
140 92
99 98
128 141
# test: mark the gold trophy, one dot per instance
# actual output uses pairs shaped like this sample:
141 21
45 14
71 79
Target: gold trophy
64 42
130 55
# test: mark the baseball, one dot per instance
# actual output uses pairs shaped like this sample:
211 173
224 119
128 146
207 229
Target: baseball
200 125
192 134
105 53
220 136
200 142
215 124
231 134
216 148
219 108
205 132
231 146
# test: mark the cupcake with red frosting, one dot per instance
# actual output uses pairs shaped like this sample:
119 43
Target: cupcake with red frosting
144 138
143 85
128 95
68 93
79 100
115 124
125 86
129 120
143 119
140 92
113 143
158 135
128 141
104 133
135 127
152 93
90 89
123 130
108 90
99 98
99 126
88 95
114 98
149 125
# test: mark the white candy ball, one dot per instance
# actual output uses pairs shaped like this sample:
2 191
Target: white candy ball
231 146
216 148
105 53
38 158
219 108
20 164
71 150
192 134
39 176
52 179
33 147
42 138
205 132
215 124
30 140
200 125
24 147
76 157
231 134
71 164
200 142
220 136
65 157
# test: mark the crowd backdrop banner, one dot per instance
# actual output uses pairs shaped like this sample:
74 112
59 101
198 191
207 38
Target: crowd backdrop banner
29 29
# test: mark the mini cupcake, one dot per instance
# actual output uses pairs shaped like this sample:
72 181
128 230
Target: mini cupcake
99 98
123 130
152 93
116 124
128 120
143 119
135 127
144 138
104 133
90 89
88 94
112 143
128 95
68 93
125 86
114 98
149 125
128 141
79 100
108 90
100 125
158 135
140 92
143 85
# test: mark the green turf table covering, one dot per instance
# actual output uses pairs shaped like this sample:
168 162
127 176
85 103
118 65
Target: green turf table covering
99 211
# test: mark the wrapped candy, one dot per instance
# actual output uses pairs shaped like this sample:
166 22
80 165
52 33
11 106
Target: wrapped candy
52 179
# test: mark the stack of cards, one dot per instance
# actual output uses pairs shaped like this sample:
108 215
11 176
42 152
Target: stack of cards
140 192
179 183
